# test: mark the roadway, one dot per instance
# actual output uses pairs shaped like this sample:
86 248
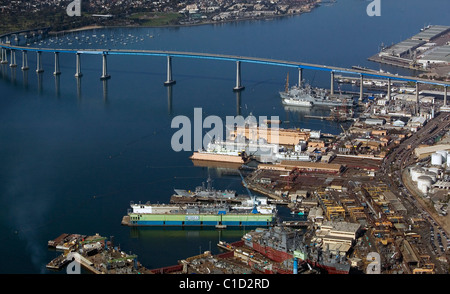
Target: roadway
225 57
393 168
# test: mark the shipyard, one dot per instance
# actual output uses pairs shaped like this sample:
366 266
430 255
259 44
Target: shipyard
224 145
341 187
380 186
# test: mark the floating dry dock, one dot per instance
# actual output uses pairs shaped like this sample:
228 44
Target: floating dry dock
199 215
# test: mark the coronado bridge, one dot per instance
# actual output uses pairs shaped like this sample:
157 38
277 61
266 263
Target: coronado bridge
10 50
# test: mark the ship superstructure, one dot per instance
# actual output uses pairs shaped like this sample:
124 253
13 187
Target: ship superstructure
307 96
282 244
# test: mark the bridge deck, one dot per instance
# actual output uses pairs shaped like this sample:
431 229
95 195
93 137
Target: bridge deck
224 57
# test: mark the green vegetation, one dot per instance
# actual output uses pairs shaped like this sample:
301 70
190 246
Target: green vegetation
60 21
156 18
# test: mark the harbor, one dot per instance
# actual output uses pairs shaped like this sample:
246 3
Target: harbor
260 251
360 167
335 187
233 260
337 190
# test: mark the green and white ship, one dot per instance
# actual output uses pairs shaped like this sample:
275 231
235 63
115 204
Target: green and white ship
220 215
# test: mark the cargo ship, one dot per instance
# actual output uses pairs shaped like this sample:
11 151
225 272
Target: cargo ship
219 215
282 244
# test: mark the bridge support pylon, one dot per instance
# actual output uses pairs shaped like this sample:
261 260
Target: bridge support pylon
332 83
169 80
445 96
300 78
417 98
361 89
39 68
238 86
25 60
105 75
56 72
13 58
4 56
78 73
389 90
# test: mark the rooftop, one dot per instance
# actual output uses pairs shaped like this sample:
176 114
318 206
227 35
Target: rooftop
431 32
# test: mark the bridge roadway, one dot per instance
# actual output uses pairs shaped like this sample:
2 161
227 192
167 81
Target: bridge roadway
224 57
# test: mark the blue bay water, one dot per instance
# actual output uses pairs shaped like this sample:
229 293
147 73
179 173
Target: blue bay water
73 156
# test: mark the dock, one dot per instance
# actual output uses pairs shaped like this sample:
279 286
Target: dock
332 118
297 224
427 51
65 241
95 254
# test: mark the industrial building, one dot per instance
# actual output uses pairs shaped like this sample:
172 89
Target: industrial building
407 46
422 152
318 167
431 32
439 54
338 236
277 136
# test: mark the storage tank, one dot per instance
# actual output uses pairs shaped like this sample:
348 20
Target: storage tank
416 172
301 146
448 161
430 174
435 169
443 153
436 159
424 184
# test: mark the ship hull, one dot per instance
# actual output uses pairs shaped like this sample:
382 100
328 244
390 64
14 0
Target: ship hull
217 157
199 220
273 254
280 256
286 97
331 269
293 102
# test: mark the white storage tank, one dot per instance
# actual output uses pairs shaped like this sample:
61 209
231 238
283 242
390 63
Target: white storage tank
443 153
432 175
301 146
424 184
416 172
435 169
436 159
